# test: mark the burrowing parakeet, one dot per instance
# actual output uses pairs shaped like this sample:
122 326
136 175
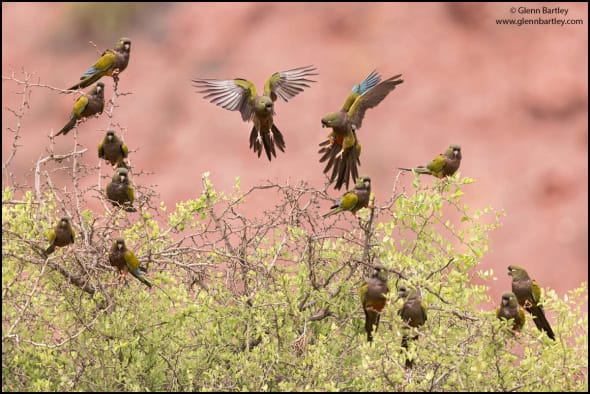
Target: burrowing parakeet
120 191
112 149
126 261
443 165
353 200
341 148
373 299
528 293
509 309
413 313
61 235
86 105
111 63
240 94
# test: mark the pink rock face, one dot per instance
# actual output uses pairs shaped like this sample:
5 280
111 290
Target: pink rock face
514 98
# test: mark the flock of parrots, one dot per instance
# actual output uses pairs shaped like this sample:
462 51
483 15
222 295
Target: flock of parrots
341 150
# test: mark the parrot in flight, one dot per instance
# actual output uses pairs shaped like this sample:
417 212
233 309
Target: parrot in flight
61 235
413 313
342 149
111 63
353 200
112 149
373 298
509 309
528 293
126 261
443 165
120 191
240 94
86 105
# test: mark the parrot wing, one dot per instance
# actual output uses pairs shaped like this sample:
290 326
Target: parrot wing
437 164
361 88
288 84
80 106
371 98
100 150
231 94
102 65
124 150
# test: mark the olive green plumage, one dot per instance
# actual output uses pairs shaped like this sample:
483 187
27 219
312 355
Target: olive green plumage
61 235
111 63
373 294
112 149
240 95
341 149
120 191
509 309
86 105
353 200
413 313
126 261
528 293
443 165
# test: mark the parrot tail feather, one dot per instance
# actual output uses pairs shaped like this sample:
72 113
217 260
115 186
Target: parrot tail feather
278 138
69 126
269 147
141 278
50 249
334 210
86 80
255 141
541 321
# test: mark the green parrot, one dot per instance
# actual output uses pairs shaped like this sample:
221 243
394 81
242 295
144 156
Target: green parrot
413 313
342 149
86 105
443 165
112 149
373 298
111 63
509 309
240 94
126 261
353 200
528 293
120 191
61 235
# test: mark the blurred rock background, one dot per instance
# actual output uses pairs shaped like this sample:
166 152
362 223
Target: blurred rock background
515 98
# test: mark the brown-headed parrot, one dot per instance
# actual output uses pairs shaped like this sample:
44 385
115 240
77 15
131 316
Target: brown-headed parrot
112 149
373 298
120 191
353 200
443 165
509 309
528 293
413 313
341 148
240 95
111 63
86 105
61 235
126 261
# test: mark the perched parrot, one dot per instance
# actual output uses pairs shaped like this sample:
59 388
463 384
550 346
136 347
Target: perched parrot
86 105
341 148
443 165
353 200
509 309
413 313
120 191
125 260
111 63
240 94
373 298
528 293
112 149
61 235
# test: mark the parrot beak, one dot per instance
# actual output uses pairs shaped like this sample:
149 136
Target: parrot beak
324 123
504 302
119 246
122 178
127 47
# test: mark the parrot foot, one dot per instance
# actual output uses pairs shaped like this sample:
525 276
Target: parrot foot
339 155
